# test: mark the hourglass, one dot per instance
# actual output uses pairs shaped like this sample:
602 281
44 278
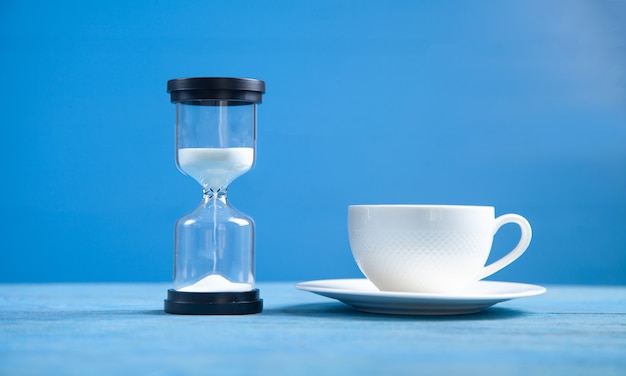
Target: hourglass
214 244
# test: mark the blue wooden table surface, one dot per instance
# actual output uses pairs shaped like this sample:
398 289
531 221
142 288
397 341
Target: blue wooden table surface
116 329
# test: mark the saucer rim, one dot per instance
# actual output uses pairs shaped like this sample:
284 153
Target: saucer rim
323 287
418 304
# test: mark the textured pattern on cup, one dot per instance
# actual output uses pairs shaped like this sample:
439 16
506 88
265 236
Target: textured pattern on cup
428 248
420 261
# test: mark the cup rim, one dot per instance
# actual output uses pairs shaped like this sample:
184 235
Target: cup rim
421 206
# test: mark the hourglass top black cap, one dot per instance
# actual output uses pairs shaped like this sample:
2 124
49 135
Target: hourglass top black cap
247 90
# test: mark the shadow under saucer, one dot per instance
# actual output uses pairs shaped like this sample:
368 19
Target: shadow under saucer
342 311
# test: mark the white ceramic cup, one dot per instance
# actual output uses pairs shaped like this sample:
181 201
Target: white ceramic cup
428 248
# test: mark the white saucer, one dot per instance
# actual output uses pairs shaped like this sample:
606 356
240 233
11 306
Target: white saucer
364 296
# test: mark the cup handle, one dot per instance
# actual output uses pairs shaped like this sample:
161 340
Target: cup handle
524 242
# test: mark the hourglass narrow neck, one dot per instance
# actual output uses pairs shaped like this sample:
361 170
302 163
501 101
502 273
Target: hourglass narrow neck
209 194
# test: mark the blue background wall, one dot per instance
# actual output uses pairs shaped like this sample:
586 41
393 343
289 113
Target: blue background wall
516 104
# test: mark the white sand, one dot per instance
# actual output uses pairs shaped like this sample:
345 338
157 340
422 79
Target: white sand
215 167
216 283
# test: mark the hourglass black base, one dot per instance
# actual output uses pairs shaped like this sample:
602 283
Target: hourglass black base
213 303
